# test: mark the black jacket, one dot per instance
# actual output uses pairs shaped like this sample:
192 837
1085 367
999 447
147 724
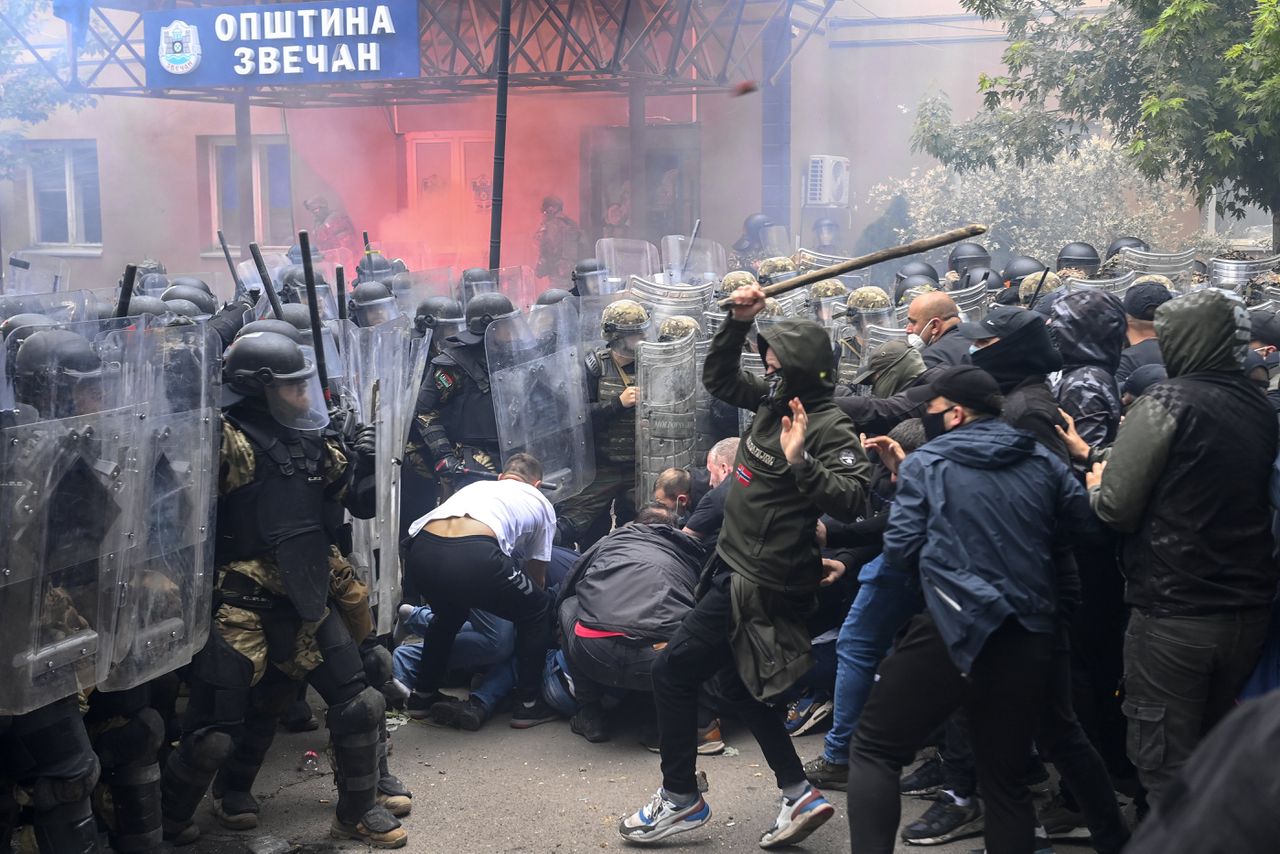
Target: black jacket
1131 358
1089 331
951 348
876 416
1019 362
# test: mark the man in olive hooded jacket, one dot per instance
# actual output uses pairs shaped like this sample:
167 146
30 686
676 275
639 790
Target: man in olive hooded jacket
800 458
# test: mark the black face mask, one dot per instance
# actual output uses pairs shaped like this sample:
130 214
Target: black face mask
934 424
776 398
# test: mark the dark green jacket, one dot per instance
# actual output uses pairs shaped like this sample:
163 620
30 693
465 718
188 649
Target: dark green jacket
772 508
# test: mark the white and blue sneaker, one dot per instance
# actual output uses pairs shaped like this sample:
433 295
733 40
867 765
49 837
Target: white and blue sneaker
797 819
660 818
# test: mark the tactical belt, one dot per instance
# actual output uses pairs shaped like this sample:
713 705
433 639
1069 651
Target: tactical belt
240 591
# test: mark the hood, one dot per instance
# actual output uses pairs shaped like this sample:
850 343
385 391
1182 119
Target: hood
899 373
1027 352
988 444
1088 328
1207 330
804 352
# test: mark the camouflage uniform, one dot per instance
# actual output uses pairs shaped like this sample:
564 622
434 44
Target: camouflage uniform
1045 282
862 300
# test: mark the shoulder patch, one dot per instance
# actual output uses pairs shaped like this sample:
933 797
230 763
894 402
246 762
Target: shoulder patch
848 457
445 380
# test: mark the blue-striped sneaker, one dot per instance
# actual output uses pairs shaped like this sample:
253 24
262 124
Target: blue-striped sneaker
660 818
797 819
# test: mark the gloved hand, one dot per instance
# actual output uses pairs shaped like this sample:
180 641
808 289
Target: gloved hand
451 465
366 440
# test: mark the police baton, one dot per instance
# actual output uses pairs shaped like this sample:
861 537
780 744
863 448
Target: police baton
340 285
915 247
267 287
226 253
313 308
126 290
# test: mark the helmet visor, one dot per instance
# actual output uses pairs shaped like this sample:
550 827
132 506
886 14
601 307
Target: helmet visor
296 400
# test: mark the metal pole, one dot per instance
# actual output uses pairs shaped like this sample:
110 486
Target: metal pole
502 60
244 174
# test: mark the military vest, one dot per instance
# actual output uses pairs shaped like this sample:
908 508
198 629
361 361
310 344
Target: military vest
617 444
468 417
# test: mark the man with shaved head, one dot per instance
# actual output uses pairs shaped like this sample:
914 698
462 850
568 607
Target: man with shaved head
932 320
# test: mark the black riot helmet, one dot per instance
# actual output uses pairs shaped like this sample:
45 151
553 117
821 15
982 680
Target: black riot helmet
442 314
201 299
146 267
1019 268
293 283
377 267
551 296
825 231
150 284
481 311
184 308
752 228
585 277
982 276
916 268
475 281
57 372
272 367
297 314
911 287
1127 243
1079 256
18 328
145 304
295 254
193 282
371 303
966 255
279 327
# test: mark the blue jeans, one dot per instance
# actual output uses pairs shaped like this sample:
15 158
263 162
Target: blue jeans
483 641
501 680
884 603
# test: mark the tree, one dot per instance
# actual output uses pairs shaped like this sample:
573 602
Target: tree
28 94
1190 88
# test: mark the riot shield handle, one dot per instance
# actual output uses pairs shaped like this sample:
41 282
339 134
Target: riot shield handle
313 308
267 287
126 290
915 247
226 253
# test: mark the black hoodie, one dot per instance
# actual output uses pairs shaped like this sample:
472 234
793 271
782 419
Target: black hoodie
1020 362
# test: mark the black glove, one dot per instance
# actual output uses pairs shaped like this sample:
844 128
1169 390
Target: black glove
451 464
365 441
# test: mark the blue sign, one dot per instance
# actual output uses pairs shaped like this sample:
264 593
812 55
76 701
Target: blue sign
288 44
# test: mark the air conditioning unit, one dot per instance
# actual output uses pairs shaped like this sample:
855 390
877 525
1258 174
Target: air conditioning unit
828 181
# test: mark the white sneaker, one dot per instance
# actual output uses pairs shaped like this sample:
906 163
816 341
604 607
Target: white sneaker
797 819
660 818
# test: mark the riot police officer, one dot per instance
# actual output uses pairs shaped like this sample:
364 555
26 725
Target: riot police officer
272 623
826 233
749 250
371 303
587 277
611 383
455 409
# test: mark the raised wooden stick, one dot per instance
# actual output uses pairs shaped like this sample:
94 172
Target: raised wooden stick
915 247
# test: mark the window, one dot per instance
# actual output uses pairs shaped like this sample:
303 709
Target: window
272 190
66 209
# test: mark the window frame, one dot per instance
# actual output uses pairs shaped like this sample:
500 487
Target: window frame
208 146
74 244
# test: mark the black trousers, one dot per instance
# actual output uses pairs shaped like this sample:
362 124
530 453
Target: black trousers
457 574
699 651
918 687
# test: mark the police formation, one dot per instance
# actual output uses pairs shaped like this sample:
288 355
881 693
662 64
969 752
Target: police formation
213 493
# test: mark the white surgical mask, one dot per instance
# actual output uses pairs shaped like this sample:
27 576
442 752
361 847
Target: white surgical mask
915 341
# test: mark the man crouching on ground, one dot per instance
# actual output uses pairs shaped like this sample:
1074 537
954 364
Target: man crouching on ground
800 458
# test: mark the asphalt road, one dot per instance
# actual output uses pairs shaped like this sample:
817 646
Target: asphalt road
538 790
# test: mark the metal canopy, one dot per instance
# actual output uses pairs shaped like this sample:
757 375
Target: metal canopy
675 46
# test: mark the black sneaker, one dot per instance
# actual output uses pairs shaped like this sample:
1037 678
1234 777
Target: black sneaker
944 821
925 780
827 775
589 723
1060 822
526 715
472 715
418 705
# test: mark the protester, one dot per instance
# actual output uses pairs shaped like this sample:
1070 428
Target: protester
1140 303
932 319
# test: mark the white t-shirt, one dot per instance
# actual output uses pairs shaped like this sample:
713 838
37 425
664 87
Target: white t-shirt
519 514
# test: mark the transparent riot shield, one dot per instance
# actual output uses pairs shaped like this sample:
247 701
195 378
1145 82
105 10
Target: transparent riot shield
704 428
69 510
829 312
1117 285
670 300
752 364
412 287
622 259
518 285
775 241
973 302
666 410
539 390
167 581
697 262
852 339
1177 267
877 337
413 254
60 307
35 274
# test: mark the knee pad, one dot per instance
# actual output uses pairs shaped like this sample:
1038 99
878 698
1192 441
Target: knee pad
207 750
135 742
362 713
377 664
48 793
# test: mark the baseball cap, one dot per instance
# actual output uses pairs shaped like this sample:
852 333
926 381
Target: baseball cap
884 357
1001 321
1143 298
1143 378
1264 326
972 388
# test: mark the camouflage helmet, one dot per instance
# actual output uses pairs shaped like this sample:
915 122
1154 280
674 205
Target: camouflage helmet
1065 273
868 298
737 279
827 288
772 308
950 280
780 264
1045 281
623 318
1156 279
677 327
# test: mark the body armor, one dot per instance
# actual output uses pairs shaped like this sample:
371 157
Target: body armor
617 444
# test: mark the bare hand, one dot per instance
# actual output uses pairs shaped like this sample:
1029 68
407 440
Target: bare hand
628 397
793 430
747 302
821 535
1094 477
891 453
832 571
1077 448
